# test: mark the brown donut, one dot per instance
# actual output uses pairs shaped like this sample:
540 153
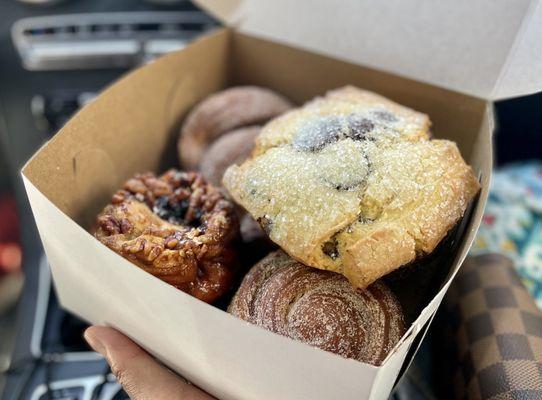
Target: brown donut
232 148
178 228
222 112
320 308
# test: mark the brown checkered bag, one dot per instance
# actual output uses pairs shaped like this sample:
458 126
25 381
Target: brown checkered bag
495 330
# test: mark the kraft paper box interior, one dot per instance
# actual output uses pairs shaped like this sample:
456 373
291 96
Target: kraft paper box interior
133 125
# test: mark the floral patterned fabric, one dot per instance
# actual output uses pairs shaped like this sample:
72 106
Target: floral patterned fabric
512 223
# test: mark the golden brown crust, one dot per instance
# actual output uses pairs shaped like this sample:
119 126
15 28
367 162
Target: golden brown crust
222 112
176 227
352 183
320 308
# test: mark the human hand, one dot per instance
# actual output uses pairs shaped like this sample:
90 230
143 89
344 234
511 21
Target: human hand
139 374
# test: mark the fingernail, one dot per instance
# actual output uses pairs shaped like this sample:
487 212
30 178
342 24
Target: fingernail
94 341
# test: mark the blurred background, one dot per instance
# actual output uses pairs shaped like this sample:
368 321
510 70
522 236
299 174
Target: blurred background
54 57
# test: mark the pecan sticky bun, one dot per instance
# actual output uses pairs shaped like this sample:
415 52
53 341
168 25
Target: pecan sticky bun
178 228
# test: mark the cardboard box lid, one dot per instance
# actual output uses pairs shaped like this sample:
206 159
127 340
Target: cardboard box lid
489 49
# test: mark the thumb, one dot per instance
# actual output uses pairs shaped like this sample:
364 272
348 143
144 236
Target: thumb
139 374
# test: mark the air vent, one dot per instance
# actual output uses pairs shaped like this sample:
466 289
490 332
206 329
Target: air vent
83 41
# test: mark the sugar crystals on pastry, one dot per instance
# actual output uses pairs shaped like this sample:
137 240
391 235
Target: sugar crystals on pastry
352 183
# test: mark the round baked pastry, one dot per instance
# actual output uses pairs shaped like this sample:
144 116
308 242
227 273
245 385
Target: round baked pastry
352 183
320 308
178 228
232 148
222 112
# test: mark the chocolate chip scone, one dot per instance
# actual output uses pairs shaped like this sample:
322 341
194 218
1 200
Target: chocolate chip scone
352 183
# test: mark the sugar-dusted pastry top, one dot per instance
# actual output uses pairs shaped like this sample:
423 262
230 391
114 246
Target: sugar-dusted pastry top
352 183
349 109
320 308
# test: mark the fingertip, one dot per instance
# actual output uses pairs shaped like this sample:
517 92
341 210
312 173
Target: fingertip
93 337
106 340
140 374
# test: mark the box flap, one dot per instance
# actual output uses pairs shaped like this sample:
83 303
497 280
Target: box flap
488 49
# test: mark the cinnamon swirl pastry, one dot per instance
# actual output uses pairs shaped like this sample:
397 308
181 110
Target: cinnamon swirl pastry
320 308
178 228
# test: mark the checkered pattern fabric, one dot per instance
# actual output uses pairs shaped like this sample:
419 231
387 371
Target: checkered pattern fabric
496 329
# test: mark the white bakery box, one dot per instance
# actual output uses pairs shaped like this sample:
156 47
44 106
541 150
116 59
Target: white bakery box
447 59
